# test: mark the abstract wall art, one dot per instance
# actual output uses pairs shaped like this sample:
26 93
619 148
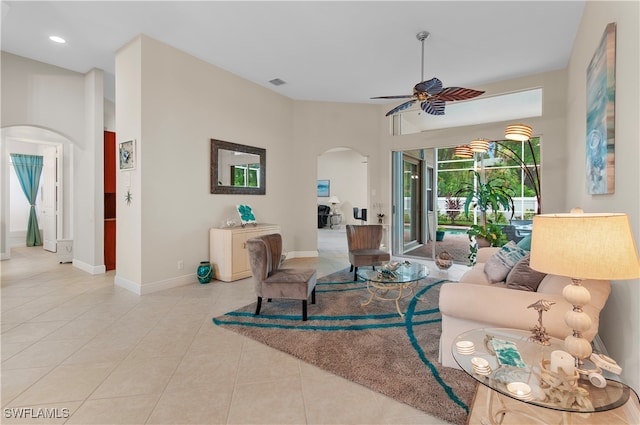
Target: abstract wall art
601 95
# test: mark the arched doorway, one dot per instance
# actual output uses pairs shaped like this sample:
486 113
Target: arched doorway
343 176
55 195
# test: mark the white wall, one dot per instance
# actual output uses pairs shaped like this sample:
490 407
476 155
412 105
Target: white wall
620 319
347 172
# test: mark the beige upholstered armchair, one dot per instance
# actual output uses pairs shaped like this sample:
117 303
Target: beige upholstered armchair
364 246
271 281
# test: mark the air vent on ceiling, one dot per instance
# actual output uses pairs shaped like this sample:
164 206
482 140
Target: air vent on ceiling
277 82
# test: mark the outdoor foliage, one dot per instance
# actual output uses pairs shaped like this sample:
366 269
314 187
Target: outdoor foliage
487 197
452 171
453 207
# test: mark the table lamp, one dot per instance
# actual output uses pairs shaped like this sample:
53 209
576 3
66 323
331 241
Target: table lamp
582 246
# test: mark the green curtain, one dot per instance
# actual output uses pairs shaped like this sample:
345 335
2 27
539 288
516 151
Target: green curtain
29 168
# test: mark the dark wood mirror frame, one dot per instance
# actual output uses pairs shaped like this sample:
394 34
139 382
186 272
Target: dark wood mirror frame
216 146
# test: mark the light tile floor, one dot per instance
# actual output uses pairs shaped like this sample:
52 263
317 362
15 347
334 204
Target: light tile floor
75 341
78 346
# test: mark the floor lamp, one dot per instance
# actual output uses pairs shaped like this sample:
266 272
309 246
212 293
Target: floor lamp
583 246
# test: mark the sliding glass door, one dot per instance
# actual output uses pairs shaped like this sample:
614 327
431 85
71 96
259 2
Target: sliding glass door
411 205
413 200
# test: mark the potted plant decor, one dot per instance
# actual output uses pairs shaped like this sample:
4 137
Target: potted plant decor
439 234
489 197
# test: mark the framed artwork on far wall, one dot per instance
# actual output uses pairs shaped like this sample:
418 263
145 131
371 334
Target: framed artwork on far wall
601 99
323 188
127 155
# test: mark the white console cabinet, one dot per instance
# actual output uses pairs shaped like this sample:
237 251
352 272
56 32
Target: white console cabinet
228 249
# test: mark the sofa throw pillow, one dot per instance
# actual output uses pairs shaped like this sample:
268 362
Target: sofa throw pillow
523 277
525 243
500 264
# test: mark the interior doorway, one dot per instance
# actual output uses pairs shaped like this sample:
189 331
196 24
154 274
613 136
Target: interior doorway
53 206
343 178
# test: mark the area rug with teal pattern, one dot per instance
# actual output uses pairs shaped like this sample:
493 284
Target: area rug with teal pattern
370 345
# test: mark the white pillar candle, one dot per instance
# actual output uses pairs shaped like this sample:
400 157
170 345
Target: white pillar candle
562 360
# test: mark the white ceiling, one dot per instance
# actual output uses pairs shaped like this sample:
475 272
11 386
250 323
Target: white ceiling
325 51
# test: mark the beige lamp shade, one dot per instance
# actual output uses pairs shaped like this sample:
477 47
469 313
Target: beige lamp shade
334 200
479 145
518 132
463 152
584 246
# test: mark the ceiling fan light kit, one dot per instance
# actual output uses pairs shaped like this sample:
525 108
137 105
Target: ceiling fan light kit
430 93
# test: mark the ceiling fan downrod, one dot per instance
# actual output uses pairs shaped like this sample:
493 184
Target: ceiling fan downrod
422 36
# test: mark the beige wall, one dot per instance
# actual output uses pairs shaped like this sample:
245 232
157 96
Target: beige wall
620 320
44 103
173 104
128 127
347 171
318 127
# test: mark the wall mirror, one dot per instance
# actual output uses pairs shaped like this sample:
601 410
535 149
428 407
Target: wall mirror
237 169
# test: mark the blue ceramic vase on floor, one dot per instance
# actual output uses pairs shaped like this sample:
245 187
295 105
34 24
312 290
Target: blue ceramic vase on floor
205 272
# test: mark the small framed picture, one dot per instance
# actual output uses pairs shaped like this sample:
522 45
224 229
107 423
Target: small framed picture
127 155
323 188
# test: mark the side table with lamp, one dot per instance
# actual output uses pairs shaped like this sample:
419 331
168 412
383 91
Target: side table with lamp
555 374
583 246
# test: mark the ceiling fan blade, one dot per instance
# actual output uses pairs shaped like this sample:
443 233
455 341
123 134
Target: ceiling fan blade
401 107
432 86
457 93
433 106
400 96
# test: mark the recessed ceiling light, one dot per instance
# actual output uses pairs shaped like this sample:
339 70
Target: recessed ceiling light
57 39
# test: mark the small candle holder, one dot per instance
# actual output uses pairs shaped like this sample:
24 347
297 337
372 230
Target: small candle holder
559 378
520 390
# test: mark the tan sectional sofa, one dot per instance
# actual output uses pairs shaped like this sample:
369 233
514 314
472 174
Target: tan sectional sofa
475 302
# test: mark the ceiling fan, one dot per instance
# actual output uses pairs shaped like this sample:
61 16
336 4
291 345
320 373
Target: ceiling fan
430 93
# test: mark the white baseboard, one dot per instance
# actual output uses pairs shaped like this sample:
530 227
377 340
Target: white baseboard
5 255
89 268
152 287
127 284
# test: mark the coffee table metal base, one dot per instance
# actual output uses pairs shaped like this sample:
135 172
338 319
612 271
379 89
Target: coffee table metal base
380 290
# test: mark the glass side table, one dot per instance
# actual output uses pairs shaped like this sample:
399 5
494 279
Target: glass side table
382 285
481 363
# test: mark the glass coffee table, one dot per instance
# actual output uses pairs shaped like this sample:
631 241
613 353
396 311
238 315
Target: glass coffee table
383 283
528 379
